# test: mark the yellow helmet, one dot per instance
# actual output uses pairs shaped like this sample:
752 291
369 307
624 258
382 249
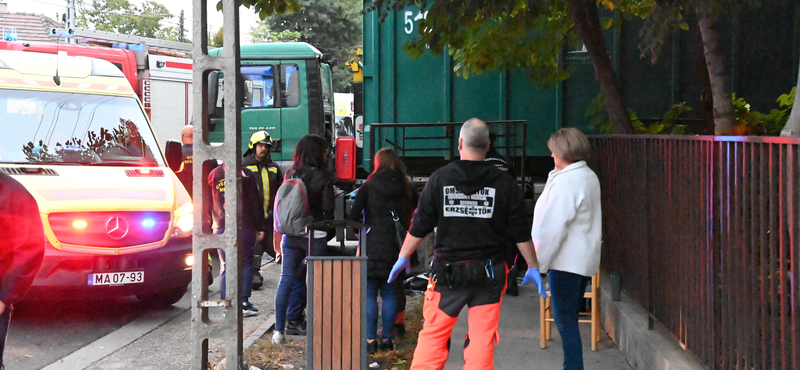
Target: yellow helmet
259 137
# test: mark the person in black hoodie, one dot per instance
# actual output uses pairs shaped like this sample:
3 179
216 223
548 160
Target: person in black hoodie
475 208
386 196
22 240
309 164
252 227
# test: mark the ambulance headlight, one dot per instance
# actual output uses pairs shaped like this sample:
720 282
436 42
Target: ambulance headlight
184 220
185 223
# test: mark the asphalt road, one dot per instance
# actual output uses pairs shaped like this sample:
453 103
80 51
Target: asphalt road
117 334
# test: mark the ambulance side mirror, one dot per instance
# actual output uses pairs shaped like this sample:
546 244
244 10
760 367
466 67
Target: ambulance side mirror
212 93
174 154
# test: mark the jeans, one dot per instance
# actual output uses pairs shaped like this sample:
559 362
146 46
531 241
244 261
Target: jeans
248 241
293 272
388 307
567 291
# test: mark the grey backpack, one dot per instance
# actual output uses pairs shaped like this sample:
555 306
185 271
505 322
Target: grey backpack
291 214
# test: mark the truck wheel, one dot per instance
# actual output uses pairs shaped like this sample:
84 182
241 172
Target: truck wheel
163 298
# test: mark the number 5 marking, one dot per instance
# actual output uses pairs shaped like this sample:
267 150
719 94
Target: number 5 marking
409 24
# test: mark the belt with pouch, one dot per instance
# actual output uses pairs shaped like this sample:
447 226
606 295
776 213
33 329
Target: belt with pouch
468 273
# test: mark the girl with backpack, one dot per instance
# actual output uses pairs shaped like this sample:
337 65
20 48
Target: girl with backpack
384 203
310 165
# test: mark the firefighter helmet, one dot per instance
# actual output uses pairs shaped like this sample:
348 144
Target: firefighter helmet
259 137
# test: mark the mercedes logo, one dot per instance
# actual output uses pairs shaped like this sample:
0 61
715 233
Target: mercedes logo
116 227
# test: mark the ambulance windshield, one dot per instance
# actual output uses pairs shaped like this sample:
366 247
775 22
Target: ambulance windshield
70 128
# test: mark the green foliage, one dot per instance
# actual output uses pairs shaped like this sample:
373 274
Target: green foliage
332 26
750 122
266 8
668 125
125 17
261 33
215 39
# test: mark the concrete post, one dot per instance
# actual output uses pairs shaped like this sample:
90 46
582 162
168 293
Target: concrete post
230 329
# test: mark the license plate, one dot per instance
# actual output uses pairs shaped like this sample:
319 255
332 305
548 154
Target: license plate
116 278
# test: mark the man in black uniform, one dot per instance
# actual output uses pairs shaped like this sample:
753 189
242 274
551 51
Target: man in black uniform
270 177
502 163
476 208
253 226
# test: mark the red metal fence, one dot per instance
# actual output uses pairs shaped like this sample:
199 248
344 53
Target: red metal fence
705 233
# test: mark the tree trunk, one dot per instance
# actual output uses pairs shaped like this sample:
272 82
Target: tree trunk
587 20
724 123
792 127
706 100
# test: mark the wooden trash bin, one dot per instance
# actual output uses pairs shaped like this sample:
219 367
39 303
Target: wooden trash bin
337 292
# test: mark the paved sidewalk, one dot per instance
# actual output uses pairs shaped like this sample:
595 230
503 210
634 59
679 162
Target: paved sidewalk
519 340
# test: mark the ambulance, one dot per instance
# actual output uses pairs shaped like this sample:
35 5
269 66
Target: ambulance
117 222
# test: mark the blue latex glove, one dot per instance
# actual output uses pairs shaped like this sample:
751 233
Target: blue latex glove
535 276
401 264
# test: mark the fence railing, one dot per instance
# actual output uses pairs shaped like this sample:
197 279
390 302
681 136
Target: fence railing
705 233
425 147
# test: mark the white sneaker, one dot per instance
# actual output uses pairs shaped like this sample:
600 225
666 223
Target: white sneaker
277 338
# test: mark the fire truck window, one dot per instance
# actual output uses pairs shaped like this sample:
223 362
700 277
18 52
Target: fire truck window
263 85
118 65
291 88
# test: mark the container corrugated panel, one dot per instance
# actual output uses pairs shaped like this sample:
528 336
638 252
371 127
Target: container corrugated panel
399 89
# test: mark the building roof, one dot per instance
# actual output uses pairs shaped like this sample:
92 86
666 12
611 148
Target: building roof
30 27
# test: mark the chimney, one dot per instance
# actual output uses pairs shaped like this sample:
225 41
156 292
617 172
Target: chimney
3 6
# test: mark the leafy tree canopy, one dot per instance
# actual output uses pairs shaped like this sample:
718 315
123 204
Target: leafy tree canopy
125 17
332 26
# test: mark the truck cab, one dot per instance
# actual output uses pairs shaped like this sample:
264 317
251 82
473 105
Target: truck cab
288 93
117 221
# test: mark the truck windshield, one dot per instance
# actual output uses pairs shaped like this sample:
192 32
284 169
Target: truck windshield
69 128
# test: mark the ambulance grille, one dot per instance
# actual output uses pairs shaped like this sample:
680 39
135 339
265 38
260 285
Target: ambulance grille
109 229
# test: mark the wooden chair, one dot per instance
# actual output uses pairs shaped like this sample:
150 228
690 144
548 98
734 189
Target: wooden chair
546 313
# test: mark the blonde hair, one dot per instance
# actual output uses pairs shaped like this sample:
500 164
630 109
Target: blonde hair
570 143
387 158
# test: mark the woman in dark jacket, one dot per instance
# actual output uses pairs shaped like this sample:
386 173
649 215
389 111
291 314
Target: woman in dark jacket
310 165
382 199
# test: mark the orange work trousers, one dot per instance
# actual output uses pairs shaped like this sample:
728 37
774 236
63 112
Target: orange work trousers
440 311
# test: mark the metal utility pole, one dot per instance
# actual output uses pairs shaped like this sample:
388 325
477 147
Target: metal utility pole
180 37
71 20
203 243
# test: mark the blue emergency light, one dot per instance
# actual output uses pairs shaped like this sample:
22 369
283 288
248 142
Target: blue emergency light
11 35
148 223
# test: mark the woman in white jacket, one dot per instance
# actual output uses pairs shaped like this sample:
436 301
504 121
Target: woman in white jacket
566 232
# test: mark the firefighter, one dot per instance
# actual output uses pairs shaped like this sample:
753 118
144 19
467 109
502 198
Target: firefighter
270 177
475 208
